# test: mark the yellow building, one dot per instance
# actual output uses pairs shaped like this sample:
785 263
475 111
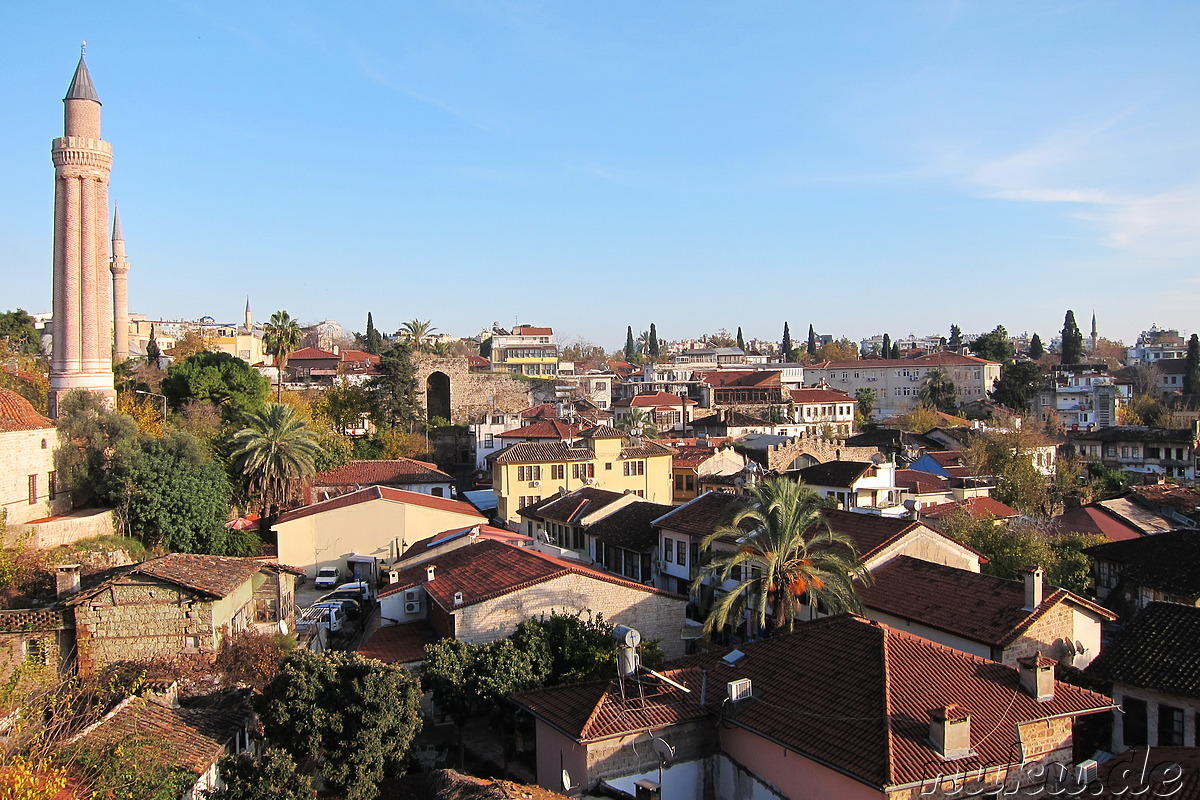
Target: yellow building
527 472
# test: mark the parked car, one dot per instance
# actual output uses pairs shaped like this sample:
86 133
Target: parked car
350 605
331 617
327 576
362 590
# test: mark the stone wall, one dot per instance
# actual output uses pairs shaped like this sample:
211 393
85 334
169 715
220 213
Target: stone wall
627 755
22 454
472 392
655 615
780 457
1055 625
35 647
67 529
142 621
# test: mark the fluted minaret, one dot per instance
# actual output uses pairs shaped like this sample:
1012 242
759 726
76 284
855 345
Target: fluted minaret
120 269
82 349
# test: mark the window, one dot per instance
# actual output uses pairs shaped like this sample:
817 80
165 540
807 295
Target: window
489 441
681 553
1135 721
436 491
577 540
527 501
635 467
52 484
581 471
668 549
608 465
530 473
33 489
1170 726
558 472
35 651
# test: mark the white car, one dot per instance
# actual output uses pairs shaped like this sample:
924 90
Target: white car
326 577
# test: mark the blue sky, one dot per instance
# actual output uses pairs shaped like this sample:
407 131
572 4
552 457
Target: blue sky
864 167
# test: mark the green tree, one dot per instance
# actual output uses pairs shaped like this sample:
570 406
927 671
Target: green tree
812 342
175 496
994 346
1191 372
393 389
939 392
17 328
630 343
90 436
372 340
654 344
153 353
567 648
638 420
886 350
218 378
741 342
865 397
1019 382
786 554
1072 340
281 338
273 454
955 342
415 333
357 715
1036 349
270 776
786 348
345 404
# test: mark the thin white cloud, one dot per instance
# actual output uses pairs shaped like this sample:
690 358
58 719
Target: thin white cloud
373 72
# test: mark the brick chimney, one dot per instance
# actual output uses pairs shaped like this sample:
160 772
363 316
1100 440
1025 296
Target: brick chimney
950 731
1033 587
66 580
1037 676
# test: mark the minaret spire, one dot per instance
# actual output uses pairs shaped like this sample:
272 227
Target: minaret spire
83 321
120 269
249 321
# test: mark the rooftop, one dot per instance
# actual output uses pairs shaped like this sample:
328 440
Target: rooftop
1159 649
1168 562
18 414
386 472
371 493
571 507
631 526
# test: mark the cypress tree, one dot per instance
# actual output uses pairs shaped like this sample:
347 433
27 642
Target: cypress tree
887 346
740 341
812 342
374 341
630 344
955 342
1036 349
653 343
1072 341
895 351
1191 375
786 345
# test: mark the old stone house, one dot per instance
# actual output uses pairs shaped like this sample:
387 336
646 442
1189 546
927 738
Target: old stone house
178 606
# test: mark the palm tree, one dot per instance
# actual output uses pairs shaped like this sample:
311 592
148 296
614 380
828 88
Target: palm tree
416 332
638 420
281 338
786 554
273 453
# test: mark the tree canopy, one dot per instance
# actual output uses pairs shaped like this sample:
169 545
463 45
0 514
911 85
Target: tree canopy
1191 371
17 327
281 338
393 389
1036 348
955 342
994 346
218 378
786 347
1018 384
1072 340
273 453
939 392
357 715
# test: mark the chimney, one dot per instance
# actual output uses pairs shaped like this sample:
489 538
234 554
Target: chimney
458 598
1037 676
1033 587
429 572
393 575
66 580
162 692
950 731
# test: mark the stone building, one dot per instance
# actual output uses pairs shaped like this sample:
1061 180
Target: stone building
36 646
178 607
28 481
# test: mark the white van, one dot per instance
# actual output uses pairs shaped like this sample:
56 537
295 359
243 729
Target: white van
329 616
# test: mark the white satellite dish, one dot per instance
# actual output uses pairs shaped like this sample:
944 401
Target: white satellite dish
566 781
283 628
664 750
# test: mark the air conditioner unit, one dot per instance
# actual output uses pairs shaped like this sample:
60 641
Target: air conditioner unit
412 608
535 484
740 689
412 595
1086 771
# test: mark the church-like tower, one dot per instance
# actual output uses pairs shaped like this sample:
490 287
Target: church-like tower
120 269
82 354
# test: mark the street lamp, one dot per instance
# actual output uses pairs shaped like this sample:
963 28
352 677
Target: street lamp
156 394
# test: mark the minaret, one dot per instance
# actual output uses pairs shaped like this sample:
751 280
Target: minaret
1095 333
82 350
120 269
249 322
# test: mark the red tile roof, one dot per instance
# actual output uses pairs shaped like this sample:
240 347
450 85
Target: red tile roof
977 507
921 482
488 569
1094 519
399 644
359 355
306 353
744 378
948 458
380 493
570 507
940 359
701 516
543 429
541 452
384 472
529 330
18 414
820 396
419 547
658 399
932 594
216 576
846 692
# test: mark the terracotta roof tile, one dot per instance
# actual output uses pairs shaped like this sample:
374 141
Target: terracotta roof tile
216 576
541 452
630 527
658 399
921 482
384 472
1159 650
1168 562
602 432
572 506
803 396
932 594
977 507
379 493
399 644
306 353
419 547
18 414
835 473
543 429
701 516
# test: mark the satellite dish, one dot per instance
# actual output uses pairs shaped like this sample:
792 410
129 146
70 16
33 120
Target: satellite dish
1079 648
566 781
664 750
283 628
